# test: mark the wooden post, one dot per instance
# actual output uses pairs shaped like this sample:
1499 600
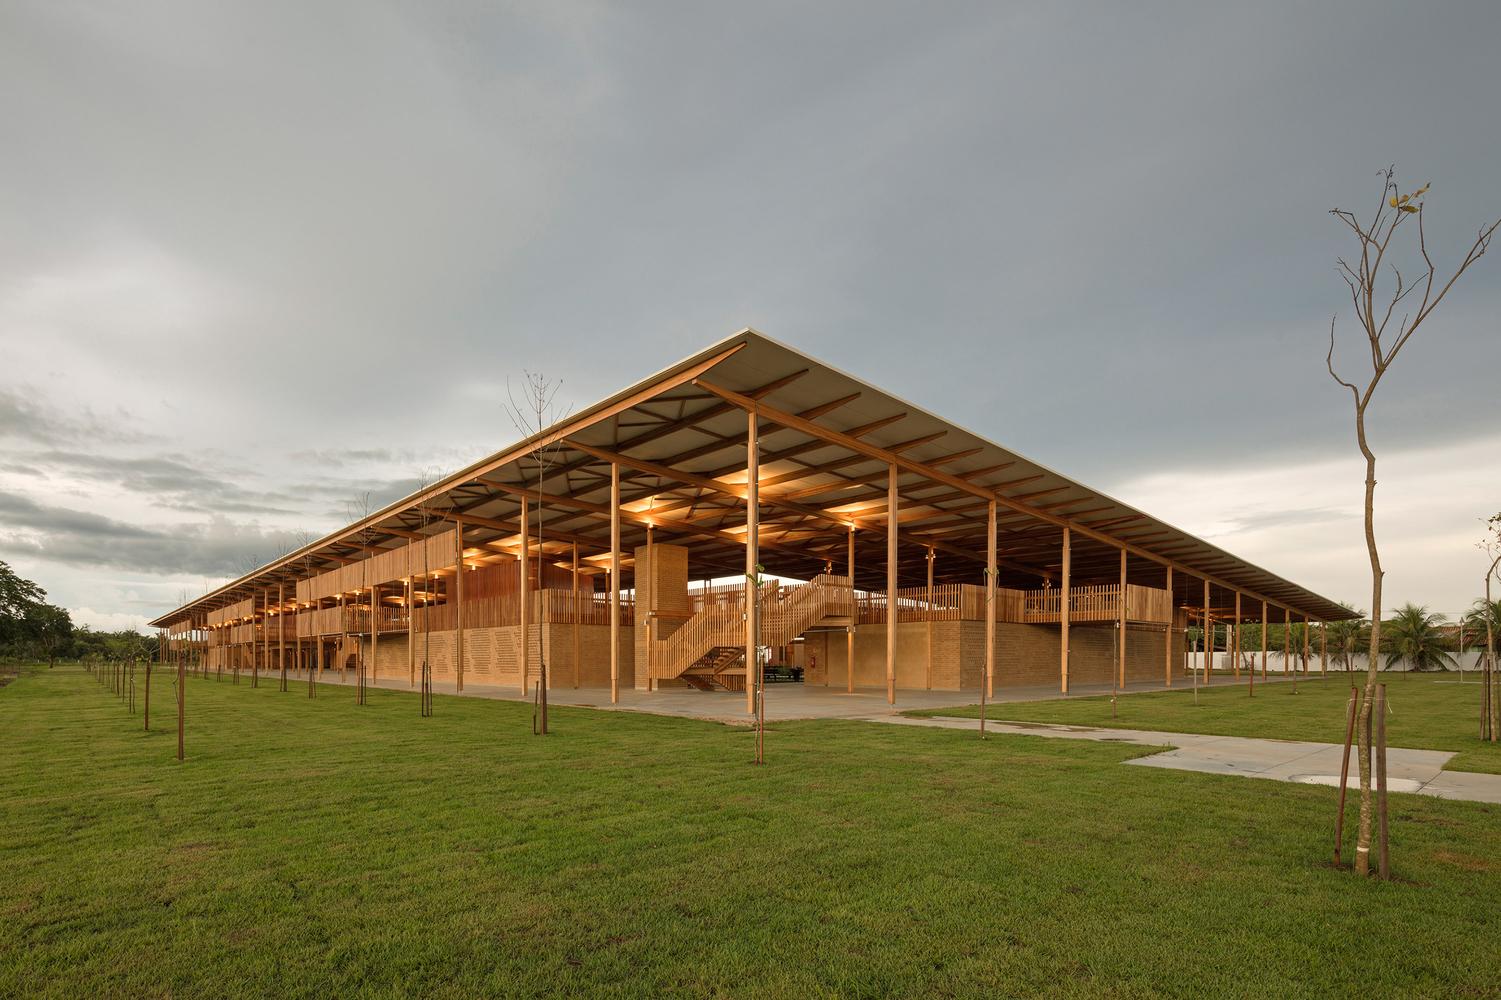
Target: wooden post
1324 649
374 632
1287 645
526 586
146 704
1063 612
255 659
182 685
1121 621
577 613
411 597
1208 636
1344 774
458 596
615 583
1307 641
990 571
891 583
1167 633
929 616
1263 641
1235 638
752 557
1383 857
653 625
849 635
281 632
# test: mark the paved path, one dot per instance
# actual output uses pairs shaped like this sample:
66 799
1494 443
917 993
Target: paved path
1419 771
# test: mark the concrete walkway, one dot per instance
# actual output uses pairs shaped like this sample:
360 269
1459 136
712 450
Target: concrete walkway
1417 771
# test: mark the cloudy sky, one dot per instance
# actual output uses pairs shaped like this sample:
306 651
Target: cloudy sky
256 259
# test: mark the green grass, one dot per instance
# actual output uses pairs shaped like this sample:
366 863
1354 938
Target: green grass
317 848
1427 712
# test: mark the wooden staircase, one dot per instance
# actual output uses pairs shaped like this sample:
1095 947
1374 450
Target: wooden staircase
708 650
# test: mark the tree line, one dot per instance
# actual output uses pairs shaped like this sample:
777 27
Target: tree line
1413 636
31 629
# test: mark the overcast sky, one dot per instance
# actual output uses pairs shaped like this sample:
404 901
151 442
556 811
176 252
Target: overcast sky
256 259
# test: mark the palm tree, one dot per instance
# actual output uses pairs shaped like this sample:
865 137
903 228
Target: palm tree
1474 619
1416 638
1346 637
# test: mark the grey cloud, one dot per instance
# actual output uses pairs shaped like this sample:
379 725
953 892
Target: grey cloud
1093 232
216 548
22 418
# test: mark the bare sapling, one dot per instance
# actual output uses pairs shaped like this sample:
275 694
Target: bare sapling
1389 308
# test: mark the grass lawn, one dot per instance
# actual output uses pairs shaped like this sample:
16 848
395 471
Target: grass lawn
1427 712
317 848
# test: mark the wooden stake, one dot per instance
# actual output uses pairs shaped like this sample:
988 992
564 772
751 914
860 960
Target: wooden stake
182 684
1383 860
1344 774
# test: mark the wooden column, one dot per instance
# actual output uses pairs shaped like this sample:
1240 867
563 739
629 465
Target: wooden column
458 597
891 584
929 616
849 635
653 626
1324 648
990 520
752 557
1208 636
1307 640
578 610
1235 652
1063 612
1263 641
411 597
1167 642
1287 641
374 628
1121 622
281 632
615 583
526 586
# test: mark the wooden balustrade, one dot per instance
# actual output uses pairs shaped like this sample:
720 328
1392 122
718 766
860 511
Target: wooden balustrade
1099 603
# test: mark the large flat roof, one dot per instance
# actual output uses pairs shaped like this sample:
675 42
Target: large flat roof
827 443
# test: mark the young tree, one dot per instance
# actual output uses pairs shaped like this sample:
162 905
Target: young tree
532 410
1378 289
